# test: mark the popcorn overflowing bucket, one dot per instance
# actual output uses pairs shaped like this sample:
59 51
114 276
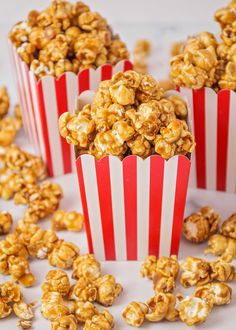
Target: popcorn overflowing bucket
214 119
43 101
132 207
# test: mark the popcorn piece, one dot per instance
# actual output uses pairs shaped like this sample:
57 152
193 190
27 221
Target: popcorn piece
162 306
86 266
24 324
199 226
228 227
9 292
84 290
7 131
220 293
107 290
5 309
164 284
4 101
71 221
23 311
85 311
42 243
5 222
20 272
195 272
42 69
226 16
134 313
63 255
58 281
222 246
177 48
149 267
222 271
194 311
141 53
65 322
104 320
167 85
167 266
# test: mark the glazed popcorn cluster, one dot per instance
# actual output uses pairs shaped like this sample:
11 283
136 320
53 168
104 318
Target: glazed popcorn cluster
209 277
129 116
12 300
72 221
66 37
141 53
66 306
203 61
9 125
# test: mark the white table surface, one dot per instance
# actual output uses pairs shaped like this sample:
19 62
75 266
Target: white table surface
162 29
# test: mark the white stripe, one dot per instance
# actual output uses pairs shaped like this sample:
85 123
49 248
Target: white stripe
91 191
118 208
143 202
168 201
211 137
72 94
94 78
33 86
187 92
231 152
50 104
120 66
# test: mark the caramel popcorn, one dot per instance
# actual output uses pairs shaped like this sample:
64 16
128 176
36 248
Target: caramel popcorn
24 324
141 53
162 306
220 293
222 271
86 266
84 290
177 48
164 284
63 255
23 311
104 320
134 314
167 85
228 227
129 115
65 322
72 221
85 311
167 266
5 222
5 309
42 243
149 267
58 281
51 41
194 311
199 226
107 290
20 272
10 292
222 246
8 130
195 272
4 102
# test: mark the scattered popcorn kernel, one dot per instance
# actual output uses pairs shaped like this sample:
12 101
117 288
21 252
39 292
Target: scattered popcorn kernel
148 268
134 313
220 293
162 306
164 284
10 292
67 322
23 311
195 272
86 266
84 311
222 246
5 222
228 227
4 101
167 266
107 290
222 271
20 272
199 226
57 280
42 243
84 290
5 309
24 324
63 255
104 320
72 221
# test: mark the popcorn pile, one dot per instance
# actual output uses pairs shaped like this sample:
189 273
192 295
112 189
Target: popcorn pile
9 126
129 116
11 299
66 305
192 310
203 61
66 37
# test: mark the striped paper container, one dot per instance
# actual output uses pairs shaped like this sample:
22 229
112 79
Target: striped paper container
214 126
43 101
134 207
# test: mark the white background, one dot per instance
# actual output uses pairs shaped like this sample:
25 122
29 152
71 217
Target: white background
162 21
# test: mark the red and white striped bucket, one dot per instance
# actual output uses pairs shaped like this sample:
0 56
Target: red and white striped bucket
214 127
43 101
134 207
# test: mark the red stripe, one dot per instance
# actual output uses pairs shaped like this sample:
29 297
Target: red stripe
180 201
84 203
62 106
157 165
177 88
130 199
128 65
44 127
32 108
199 131
83 81
222 137
105 201
106 72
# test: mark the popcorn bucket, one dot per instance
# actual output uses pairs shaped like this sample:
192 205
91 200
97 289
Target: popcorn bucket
132 207
214 119
43 101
